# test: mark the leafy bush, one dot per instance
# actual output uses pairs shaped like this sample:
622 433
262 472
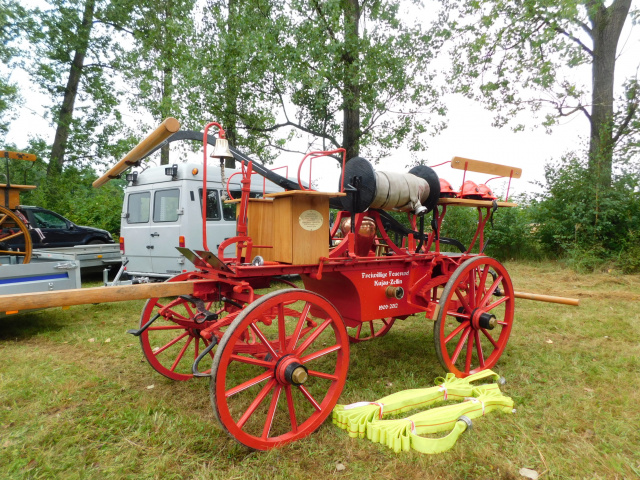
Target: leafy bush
590 227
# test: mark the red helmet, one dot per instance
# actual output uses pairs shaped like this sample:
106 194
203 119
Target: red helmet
470 190
445 189
486 192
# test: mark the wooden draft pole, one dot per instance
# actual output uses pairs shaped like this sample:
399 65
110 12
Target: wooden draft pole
82 296
547 298
159 135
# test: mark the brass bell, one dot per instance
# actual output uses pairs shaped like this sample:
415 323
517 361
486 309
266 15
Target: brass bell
221 150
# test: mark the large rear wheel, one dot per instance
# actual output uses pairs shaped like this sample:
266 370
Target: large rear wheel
475 317
281 387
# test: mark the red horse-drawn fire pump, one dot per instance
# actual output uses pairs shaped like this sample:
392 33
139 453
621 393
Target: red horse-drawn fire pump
278 360
278 355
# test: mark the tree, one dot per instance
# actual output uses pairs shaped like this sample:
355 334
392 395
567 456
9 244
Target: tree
11 15
72 62
358 74
159 60
517 50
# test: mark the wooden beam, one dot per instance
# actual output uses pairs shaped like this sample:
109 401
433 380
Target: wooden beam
17 155
547 298
461 163
83 296
159 135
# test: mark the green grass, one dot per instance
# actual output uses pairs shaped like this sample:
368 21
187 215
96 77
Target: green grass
74 409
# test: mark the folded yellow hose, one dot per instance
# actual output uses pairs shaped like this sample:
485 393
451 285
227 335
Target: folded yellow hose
404 434
365 418
355 417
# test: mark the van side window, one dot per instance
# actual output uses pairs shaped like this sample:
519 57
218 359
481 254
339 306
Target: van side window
165 205
213 204
138 207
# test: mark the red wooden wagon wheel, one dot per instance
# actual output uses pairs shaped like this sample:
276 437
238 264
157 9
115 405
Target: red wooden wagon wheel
475 317
282 388
173 341
366 331
12 227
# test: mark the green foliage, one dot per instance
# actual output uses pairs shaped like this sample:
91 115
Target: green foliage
593 226
71 194
61 39
11 19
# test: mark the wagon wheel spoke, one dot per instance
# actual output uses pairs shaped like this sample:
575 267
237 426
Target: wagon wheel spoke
13 252
312 338
460 344
181 354
476 336
249 383
320 353
490 291
256 403
309 397
264 340
157 351
452 335
488 335
296 334
467 363
292 409
271 413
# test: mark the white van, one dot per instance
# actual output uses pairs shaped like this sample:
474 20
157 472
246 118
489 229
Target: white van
162 210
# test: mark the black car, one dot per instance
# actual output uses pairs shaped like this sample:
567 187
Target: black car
50 230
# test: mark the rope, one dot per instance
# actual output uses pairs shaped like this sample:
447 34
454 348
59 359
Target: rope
405 434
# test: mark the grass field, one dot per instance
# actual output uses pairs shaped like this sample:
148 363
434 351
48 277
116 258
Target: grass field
77 399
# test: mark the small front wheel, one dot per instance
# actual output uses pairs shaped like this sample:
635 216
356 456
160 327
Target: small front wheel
282 386
475 317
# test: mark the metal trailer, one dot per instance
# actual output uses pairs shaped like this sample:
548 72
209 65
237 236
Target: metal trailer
277 360
87 256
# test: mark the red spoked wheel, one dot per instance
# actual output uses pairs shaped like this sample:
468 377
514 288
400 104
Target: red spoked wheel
475 317
173 341
281 388
366 331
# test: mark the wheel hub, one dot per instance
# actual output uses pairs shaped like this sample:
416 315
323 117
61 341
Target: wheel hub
480 319
289 371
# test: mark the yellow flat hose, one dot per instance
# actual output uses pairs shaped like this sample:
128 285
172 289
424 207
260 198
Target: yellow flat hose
355 417
404 434
366 418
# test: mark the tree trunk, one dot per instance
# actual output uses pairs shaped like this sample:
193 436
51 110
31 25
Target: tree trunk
606 25
351 78
65 117
231 80
166 101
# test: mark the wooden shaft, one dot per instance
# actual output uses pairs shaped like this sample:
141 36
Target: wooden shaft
82 296
159 135
547 298
18 155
